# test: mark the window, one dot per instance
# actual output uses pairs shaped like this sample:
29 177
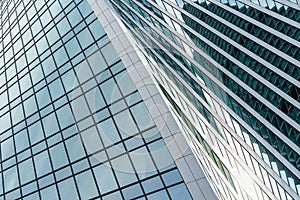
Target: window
105 178
74 148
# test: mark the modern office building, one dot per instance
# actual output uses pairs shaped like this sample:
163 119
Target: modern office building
81 118
161 99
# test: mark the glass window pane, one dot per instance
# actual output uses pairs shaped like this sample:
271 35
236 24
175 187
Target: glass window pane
97 62
125 83
56 89
58 156
125 124
74 17
108 132
110 54
50 124
73 47
95 99
179 192
67 189
11 180
65 116
105 178
35 132
7 148
142 116
124 171
42 164
91 140
74 148
49 193
85 38
21 140
26 171
43 97
80 108
86 185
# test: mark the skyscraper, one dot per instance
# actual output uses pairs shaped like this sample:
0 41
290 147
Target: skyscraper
78 118
161 99
230 71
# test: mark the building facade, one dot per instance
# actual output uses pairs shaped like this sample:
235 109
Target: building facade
230 70
79 119
137 99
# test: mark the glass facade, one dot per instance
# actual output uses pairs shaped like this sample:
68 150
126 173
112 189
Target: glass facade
230 70
72 122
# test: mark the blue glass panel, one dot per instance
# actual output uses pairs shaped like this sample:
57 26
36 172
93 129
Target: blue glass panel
65 116
48 65
67 189
142 116
58 156
49 193
95 99
50 124
7 148
109 53
26 171
74 148
152 184
52 36
86 185
74 17
91 140
60 56
123 170
125 83
85 38
161 195
11 179
63 26
97 62
179 192
132 192
21 140
171 177
42 164
105 178
125 124
56 89
35 132
43 97
73 47
96 29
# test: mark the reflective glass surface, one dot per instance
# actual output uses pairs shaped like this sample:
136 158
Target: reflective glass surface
72 122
